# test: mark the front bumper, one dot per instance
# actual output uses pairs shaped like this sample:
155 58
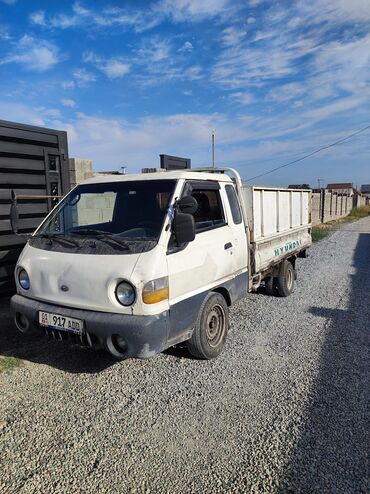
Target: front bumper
144 335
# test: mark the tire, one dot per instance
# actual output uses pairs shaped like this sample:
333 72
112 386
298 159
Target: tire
211 328
270 286
285 280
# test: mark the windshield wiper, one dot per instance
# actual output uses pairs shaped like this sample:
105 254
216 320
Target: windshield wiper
87 231
110 237
102 235
58 237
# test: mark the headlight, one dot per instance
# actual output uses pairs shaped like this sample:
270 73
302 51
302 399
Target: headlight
24 279
125 293
156 291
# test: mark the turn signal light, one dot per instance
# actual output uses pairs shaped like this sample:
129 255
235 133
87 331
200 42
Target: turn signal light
156 290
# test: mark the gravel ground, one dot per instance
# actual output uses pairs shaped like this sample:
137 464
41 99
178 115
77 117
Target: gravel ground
283 409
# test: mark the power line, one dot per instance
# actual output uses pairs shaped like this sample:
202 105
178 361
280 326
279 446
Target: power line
311 154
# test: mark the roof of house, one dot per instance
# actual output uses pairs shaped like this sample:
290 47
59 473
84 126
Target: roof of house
299 186
345 185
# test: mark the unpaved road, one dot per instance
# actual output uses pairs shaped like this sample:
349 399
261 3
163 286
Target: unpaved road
283 409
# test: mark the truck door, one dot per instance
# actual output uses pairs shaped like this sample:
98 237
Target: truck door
236 223
206 262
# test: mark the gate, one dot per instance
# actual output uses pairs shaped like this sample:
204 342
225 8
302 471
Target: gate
34 165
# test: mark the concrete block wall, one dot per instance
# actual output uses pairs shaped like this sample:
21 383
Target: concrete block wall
79 170
330 206
96 209
315 208
327 206
360 201
90 210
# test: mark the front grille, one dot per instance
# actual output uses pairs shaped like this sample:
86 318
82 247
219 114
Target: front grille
86 340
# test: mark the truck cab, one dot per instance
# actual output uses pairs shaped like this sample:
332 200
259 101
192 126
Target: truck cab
137 263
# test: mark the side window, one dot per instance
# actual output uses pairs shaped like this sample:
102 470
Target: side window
209 213
234 204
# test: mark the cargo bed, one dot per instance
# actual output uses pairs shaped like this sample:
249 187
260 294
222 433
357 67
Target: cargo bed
279 222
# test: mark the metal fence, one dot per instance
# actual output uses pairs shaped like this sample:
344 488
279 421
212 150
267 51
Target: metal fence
33 166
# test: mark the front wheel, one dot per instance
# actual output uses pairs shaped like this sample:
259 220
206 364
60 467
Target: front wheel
211 328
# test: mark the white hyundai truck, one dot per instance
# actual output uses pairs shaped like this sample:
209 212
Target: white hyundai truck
139 263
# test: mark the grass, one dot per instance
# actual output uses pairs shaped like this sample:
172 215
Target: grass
9 363
358 213
321 231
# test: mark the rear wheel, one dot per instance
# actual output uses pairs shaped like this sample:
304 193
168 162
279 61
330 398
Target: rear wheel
211 328
285 279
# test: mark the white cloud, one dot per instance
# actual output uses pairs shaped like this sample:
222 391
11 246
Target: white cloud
194 72
38 18
232 36
33 54
78 9
78 16
19 112
68 84
106 140
246 64
246 142
9 2
113 68
83 78
68 102
49 112
280 49
187 46
286 92
144 18
185 10
155 50
251 20
242 98
4 33
335 11
255 3
326 111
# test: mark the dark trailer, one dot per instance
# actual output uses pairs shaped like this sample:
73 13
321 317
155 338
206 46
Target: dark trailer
34 167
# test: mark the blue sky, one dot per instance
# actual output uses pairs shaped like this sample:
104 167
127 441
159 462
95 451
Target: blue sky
129 80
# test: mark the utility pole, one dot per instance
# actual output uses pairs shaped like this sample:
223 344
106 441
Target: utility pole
319 180
213 148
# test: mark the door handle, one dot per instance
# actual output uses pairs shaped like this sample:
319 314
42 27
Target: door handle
228 245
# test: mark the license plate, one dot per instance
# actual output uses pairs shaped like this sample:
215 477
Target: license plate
56 321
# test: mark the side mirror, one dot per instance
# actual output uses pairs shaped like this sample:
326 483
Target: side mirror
187 204
14 214
184 227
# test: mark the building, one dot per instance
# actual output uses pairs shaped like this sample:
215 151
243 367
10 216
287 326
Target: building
299 186
344 188
365 190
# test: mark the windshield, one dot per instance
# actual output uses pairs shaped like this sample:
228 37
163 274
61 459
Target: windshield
118 211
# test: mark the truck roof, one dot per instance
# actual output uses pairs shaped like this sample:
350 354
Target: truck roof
190 174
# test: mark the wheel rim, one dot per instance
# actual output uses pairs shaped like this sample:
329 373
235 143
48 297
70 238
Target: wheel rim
215 325
290 279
